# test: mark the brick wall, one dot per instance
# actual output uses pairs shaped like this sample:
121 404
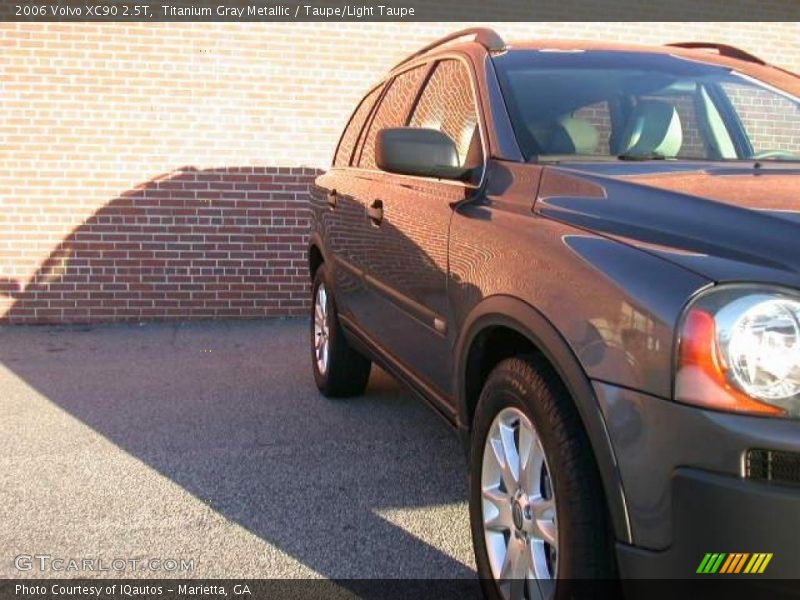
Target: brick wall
156 171
210 243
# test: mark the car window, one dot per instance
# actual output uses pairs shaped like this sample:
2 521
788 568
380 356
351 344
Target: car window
771 121
448 105
639 105
348 141
392 110
588 130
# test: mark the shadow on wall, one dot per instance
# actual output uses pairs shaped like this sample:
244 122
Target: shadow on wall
193 244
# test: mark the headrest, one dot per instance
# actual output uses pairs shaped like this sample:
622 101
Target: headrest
572 136
653 127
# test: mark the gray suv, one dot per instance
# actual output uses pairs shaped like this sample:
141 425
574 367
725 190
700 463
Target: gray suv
586 258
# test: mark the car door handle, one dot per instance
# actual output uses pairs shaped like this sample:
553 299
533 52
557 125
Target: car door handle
333 198
375 212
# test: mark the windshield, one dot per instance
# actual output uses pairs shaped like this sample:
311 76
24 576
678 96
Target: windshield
640 106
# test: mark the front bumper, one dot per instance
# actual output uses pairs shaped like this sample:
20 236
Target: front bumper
682 472
714 513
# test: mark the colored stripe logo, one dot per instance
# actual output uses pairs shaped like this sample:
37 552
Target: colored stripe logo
735 563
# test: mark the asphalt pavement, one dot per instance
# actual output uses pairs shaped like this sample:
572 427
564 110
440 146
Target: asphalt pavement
208 443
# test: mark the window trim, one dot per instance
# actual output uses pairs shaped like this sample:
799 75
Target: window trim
421 92
350 120
389 82
431 61
355 156
731 119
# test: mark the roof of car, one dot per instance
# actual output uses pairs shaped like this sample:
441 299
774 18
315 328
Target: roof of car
769 74
707 54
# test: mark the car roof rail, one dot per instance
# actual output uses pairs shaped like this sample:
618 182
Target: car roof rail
722 49
488 38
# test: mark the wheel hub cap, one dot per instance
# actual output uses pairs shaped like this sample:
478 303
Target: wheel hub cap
516 513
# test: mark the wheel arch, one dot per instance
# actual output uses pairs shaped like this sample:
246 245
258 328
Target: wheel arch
316 255
526 325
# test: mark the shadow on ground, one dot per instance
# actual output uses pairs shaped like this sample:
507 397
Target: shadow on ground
229 412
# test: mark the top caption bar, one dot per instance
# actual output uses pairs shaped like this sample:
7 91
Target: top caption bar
399 10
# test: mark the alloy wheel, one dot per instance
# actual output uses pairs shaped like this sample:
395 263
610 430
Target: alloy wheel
321 329
519 509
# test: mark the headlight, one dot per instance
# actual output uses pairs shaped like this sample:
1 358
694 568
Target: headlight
739 350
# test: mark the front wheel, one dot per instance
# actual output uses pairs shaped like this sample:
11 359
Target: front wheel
537 507
339 369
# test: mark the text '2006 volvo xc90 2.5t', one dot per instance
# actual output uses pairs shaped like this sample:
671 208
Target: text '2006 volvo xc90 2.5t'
586 257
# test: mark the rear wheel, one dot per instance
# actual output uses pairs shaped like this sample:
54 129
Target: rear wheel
339 370
536 503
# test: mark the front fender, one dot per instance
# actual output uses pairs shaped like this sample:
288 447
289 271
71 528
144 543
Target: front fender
515 314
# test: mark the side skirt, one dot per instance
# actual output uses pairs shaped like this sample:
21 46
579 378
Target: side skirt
440 404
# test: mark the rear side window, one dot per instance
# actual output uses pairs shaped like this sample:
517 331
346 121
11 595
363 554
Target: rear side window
447 104
350 135
771 121
392 110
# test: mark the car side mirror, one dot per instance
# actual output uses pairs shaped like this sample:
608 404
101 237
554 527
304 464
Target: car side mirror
418 151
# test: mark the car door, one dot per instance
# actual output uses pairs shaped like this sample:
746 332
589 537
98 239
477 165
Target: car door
338 210
406 271
363 182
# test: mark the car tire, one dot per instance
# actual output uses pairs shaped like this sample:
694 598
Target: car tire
558 494
339 370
